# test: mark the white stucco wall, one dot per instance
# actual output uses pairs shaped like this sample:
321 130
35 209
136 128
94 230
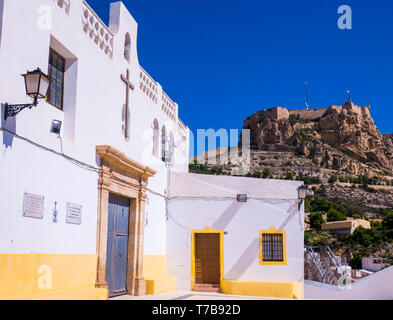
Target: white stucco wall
368 264
1 18
377 286
155 223
25 168
242 223
93 110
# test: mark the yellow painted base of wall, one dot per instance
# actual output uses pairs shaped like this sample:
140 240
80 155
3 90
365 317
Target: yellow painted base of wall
285 290
49 277
81 294
161 285
154 272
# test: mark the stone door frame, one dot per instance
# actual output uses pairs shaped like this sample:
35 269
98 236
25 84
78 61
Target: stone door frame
123 176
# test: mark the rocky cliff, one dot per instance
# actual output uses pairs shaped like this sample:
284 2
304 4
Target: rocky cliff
341 138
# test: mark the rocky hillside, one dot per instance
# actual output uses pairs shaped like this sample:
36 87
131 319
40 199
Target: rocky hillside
374 201
342 138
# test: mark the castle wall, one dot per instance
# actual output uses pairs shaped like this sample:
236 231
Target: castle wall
281 113
308 114
351 107
276 113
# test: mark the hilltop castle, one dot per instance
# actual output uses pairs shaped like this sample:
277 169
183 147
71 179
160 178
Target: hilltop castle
278 113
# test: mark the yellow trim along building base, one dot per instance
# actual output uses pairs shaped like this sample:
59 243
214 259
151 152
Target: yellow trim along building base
284 290
49 277
156 278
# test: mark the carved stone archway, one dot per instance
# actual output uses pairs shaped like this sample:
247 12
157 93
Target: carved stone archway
125 177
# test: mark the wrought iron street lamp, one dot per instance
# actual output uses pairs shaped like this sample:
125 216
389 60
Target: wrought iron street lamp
302 194
37 86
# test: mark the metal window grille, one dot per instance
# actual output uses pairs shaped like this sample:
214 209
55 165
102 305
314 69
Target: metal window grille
272 247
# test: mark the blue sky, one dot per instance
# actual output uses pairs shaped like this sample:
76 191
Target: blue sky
222 61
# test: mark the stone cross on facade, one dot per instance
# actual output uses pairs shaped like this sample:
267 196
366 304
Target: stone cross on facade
129 85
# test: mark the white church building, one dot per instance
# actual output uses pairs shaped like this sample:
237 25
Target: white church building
95 195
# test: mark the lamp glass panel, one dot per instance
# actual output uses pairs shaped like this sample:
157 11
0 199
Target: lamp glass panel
44 86
32 82
302 193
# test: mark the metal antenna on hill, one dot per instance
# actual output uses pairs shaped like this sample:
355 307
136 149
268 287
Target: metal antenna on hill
306 96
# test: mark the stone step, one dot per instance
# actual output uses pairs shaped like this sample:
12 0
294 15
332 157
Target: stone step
207 287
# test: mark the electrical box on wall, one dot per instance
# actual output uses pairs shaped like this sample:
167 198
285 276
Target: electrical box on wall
241 198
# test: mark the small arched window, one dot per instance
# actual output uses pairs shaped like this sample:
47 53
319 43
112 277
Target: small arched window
171 146
163 142
156 137
127 47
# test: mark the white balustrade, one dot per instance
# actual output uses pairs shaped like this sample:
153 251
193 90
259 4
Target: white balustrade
168 106
147 85
182 130
97 30
63 4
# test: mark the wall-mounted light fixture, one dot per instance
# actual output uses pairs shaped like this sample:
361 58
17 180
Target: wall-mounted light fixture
55 127
302 194
241 198
37 86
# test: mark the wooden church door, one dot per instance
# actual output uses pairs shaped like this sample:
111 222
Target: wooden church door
117 244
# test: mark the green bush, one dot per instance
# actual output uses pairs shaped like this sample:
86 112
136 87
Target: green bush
356 261
322 190
388 220
333 178
266 173
335 215
257 174
366 237
320 204
316 220
203 169
352 210
312 238
310 180
376 225
387 233
289 176
307 206
341 208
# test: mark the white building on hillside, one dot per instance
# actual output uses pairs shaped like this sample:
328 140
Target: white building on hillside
95 195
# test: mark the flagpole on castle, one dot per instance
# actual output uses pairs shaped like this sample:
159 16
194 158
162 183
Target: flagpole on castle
306 96
349 97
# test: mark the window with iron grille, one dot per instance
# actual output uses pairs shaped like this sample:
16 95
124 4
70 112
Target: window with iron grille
272 247
56 74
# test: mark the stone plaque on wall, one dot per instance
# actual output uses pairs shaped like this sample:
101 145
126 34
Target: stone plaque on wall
74 213
33 206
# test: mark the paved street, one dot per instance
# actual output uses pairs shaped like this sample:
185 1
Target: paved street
189 295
